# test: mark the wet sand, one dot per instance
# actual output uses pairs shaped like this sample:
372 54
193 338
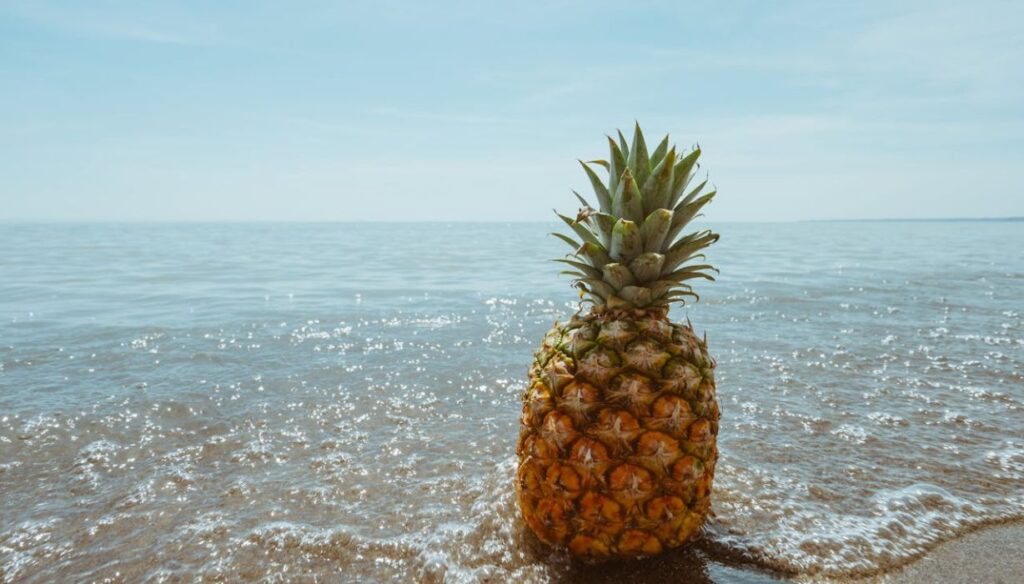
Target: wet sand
698 564
989 556
992 555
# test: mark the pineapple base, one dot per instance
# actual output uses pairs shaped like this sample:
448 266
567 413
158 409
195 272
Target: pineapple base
617 444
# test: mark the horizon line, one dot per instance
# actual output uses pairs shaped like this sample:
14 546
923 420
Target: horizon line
59 221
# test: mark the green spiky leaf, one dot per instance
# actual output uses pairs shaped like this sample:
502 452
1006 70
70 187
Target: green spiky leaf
631 205
683 172
630 252
659 151
599 286
686 213
570 241
616 164
688 273
638 161
626 242
691 196
655 229
618 275
636 295
595 254
588 271
604 198
684 249
660 288
581 230
603 224
647 266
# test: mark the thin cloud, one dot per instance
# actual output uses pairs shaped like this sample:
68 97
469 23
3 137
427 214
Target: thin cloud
95 21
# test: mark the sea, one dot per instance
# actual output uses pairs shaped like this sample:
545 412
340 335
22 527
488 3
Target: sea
325 402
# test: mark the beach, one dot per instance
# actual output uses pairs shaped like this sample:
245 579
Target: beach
991 555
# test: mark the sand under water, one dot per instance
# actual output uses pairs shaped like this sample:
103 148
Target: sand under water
340 402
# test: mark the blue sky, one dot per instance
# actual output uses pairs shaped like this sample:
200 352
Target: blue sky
392 110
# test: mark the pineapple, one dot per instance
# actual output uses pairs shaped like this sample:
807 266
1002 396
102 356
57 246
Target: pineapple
617 445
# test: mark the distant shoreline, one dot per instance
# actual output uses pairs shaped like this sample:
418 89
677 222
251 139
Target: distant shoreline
914 220
37 221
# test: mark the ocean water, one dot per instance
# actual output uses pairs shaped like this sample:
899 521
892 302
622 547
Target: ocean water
331 402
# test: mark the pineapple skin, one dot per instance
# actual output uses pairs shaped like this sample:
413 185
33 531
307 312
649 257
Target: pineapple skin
618 435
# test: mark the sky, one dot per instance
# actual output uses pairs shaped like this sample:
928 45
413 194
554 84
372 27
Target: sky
478 111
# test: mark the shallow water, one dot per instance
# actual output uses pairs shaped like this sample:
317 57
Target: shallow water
322 402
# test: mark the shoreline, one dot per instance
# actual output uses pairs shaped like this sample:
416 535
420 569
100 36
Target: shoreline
988 554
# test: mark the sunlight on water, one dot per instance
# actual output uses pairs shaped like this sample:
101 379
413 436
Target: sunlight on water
298 400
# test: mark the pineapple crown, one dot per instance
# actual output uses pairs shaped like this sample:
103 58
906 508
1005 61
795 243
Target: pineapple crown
630 254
